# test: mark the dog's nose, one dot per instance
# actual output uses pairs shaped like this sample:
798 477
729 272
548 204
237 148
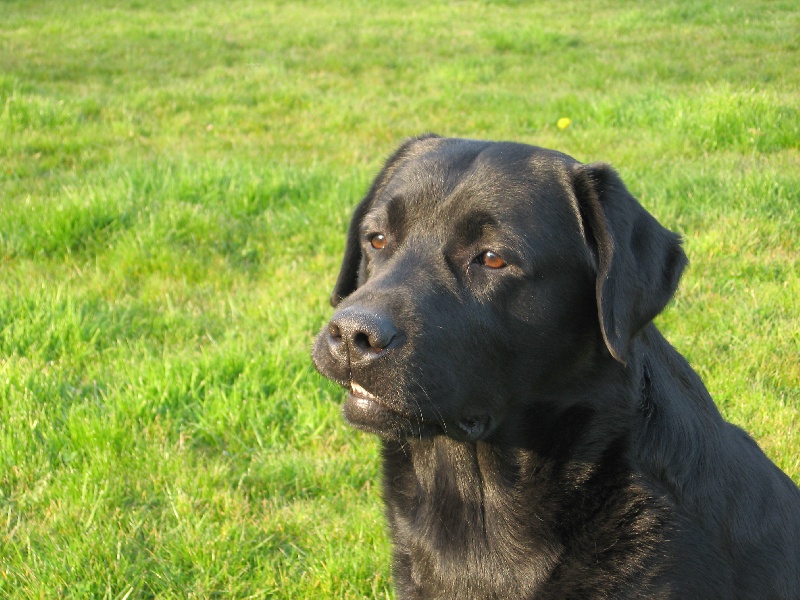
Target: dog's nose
363 335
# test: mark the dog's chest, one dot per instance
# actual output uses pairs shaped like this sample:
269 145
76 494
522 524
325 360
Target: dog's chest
457 516
468 521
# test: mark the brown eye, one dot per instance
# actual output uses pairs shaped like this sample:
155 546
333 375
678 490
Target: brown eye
492 260
378 241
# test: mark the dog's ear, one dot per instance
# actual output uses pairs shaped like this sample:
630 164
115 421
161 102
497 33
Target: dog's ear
350 272
639 262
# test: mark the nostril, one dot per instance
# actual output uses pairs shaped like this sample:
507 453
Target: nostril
361 340
334 331
370 342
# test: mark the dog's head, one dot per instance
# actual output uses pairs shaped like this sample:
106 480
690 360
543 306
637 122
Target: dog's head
479 276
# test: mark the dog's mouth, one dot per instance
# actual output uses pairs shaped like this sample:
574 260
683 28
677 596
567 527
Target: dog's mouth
359 392
368 412
367 402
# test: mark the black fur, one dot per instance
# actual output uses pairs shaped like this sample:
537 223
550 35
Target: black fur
541 439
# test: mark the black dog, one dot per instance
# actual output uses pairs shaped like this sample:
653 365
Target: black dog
541 439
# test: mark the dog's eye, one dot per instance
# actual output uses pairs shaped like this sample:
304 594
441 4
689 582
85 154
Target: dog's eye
492 260
378 241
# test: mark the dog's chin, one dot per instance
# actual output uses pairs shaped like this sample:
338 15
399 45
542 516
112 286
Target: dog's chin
368 413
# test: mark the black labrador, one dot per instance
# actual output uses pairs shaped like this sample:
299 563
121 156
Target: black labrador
541 439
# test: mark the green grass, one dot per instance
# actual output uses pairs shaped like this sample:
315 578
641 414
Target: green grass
175 183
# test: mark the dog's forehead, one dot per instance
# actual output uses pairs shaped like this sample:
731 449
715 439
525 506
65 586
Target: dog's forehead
453 178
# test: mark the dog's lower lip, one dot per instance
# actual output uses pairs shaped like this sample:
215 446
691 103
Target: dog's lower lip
358 391
363 398
370 400
364 402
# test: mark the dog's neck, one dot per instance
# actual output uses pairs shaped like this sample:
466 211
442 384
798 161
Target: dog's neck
462 491
549 480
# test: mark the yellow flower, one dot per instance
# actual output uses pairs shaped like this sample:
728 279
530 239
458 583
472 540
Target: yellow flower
563 122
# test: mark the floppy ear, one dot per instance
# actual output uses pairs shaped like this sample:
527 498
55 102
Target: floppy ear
639 262
348 279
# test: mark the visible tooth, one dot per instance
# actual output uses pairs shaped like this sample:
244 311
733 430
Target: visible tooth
359 391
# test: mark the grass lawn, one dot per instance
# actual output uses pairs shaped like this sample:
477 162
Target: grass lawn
175 182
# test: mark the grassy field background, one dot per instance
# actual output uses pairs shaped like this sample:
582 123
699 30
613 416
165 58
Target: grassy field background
175 182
